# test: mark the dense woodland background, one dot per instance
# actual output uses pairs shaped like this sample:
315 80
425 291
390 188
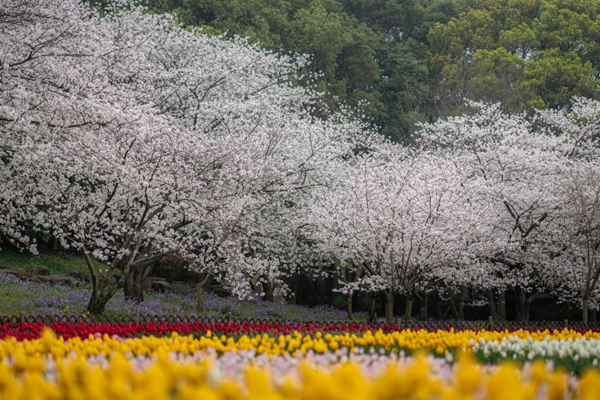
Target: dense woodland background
405 61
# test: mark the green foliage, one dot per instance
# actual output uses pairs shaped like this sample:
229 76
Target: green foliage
344 50
555 77
525 53
403 61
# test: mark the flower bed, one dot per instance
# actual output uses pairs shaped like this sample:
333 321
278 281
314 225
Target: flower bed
294 366
571 348
266 360
82 329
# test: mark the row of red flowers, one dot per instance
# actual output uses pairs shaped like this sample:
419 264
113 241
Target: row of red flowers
29 331
68 330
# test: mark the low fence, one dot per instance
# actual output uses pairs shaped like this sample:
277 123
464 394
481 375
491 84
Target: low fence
489 324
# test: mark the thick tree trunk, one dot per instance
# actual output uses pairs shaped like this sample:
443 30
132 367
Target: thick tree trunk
371 308
132 289
269 290
584 310
135 280
101 295
423 307
96 306
202 282
102 291
389 307
457 305
502 305
128 287
350 315
522 305
409 307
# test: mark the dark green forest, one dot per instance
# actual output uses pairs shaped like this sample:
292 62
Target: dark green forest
403 61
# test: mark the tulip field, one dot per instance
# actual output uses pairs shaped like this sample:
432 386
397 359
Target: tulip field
230 361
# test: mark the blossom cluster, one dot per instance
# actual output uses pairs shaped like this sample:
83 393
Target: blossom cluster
185 367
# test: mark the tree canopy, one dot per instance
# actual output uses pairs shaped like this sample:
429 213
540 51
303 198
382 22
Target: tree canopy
407 61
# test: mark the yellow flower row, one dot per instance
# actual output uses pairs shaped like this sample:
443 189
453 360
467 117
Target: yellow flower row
77 379
51 368
440 341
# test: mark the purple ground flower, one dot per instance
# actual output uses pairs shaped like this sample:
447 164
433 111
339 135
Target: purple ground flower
18 296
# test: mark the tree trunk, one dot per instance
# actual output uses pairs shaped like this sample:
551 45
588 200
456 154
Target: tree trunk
492 301
584 310
101 295
502 305
295 297
452 302
371 308
203 281
448 309
269 289
350 316
409 306
133 289
129 286
457 305
102 291
522 305
96 306
423 307
389 307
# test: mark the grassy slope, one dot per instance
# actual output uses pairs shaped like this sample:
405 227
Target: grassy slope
56 262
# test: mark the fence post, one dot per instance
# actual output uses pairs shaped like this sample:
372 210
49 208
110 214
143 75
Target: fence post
491 321
137 315
566 323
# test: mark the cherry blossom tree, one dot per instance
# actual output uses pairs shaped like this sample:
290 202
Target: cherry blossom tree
570 247
400 216
523 162
128 138
82 159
